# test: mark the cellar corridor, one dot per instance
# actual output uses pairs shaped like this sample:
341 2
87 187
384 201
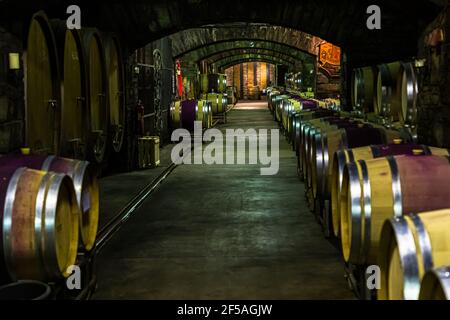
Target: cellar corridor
224 232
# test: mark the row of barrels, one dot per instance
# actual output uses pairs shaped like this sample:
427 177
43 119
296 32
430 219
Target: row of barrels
363 183
213 83
183 114
74 91
388 90
50 212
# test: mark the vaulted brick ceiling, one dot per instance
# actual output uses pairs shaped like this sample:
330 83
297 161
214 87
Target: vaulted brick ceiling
207 52
252 57
340 22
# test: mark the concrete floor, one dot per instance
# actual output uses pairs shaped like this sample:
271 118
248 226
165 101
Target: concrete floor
223 232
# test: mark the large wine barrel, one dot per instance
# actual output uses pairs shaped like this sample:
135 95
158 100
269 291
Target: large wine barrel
175 114
74 113
363 89
116 90
97 89
84 181
44 250
436 285
409 247
342 157
397 92
379 189
42 89
408 93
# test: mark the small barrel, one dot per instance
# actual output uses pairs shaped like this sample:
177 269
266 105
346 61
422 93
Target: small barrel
116 90
379 189
218 101
84 181
94 56
175 115
38 251
436 284
342 157
204 113
410 246
25 290
42 90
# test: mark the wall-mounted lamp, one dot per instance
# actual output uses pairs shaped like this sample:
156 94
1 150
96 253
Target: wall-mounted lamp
14 61
419 63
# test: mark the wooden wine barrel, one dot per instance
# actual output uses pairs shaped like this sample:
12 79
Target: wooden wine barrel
175 115
42 90
204 113
222 86
409 92
342 157
328 140
436 285
410 246
218 101
330 124
116 90
189 113
379 189
203 80
97 90
74 112
307 130
363 88
327 144
38 251
84 181
396 92
333 134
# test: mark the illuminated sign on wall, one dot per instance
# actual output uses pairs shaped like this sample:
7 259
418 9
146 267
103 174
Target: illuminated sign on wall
330 54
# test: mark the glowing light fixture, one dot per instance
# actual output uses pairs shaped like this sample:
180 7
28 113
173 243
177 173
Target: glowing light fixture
14 61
